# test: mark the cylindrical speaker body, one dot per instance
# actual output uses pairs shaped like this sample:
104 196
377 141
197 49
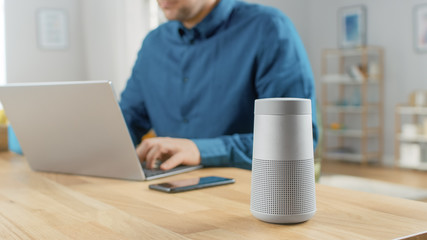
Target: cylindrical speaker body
282 186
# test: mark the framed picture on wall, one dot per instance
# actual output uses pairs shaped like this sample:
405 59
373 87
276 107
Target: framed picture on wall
352 26
52 29
420 28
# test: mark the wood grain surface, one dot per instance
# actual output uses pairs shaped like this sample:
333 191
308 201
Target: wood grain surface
36 205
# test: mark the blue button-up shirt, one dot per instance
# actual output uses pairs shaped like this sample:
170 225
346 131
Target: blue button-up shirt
201 83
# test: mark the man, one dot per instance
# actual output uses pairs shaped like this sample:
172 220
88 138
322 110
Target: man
197 76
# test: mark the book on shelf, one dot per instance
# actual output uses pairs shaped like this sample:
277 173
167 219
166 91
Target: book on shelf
357 74
3 137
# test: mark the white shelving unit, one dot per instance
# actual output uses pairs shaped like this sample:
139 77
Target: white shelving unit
418 140
352 104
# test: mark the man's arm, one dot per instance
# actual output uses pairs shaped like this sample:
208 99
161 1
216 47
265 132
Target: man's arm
226 151
133 106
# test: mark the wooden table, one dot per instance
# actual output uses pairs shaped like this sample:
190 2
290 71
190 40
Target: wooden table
36 205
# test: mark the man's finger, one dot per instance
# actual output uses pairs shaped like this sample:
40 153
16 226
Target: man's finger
172 162
144 147
141 150
153 155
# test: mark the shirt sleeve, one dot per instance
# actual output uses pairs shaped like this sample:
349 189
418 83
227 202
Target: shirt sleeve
226 151
283 70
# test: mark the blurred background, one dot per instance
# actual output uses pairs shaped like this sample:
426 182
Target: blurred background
69 40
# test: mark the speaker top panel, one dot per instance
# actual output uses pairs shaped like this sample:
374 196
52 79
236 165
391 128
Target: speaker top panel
283 106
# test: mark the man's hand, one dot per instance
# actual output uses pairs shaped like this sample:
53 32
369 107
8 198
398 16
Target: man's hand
171 151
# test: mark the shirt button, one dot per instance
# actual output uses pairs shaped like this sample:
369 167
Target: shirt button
185 120
185 80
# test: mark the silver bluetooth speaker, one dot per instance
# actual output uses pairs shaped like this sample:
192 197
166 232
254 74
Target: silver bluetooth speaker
282 187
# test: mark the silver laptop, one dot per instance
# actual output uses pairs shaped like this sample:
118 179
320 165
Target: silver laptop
74 128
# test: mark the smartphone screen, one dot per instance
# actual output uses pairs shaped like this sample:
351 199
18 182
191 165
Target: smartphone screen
191 184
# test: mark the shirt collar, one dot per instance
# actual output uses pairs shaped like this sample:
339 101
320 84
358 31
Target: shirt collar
210 23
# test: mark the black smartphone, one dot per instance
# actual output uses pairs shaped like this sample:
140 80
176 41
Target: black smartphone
190 184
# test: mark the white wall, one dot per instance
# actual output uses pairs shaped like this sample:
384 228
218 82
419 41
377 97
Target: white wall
25 61
113 33
104 37
2 47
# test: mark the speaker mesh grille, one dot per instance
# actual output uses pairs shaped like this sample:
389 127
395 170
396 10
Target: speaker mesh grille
283 187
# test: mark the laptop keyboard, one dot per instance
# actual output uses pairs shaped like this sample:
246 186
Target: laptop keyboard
157 171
